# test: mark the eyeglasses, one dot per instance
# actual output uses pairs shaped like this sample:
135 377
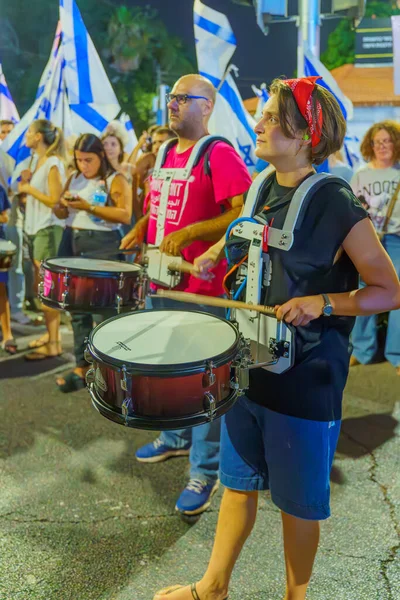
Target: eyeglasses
383 143
182 98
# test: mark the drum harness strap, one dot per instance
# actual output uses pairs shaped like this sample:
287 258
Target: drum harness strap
261 236
169 175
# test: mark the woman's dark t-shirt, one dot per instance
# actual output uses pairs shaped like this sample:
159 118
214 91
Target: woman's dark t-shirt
313 388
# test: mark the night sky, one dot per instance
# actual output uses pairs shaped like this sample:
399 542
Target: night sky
259 58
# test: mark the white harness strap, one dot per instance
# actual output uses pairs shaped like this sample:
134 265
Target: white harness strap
283 238
169 175
261 329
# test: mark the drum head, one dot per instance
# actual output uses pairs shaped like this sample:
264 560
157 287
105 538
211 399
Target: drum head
7 247
97 266
163 341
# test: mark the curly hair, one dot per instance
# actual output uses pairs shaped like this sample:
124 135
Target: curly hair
392 128
292 121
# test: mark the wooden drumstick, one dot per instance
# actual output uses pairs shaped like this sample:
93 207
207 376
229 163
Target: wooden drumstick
183 267
213 301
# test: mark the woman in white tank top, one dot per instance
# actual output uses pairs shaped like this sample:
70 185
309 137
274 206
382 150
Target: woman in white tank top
43 188
91 228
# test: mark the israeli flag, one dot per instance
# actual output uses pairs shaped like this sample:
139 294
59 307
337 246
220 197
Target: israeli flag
8 110
262 95
314 67
92 100
215 46
49 68
127 123
51 105
74 91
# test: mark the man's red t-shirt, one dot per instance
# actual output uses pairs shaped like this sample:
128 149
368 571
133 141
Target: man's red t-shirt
202 197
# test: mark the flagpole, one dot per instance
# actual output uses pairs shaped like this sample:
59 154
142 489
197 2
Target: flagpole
229 69
302 36
308 31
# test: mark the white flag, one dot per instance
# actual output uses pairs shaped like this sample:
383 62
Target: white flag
215 45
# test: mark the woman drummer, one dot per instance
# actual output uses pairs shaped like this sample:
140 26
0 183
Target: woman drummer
282 435
90 228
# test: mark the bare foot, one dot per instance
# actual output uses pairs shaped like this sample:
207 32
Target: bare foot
398 370
174 592
40 341
188 592
49 350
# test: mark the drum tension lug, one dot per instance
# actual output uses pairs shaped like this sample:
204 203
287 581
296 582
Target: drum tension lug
66 277
126 409
64 297
119 303
125 379
208 376
210 406
87 355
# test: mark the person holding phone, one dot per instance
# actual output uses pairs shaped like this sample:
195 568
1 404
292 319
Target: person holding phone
95 202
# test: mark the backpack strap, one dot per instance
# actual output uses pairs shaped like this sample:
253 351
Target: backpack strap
209 149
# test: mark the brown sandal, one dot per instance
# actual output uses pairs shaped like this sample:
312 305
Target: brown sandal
193 590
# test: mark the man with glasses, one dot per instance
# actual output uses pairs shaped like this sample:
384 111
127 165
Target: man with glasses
198 213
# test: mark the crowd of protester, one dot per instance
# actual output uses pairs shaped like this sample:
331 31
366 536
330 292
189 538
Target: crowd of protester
46 213
39 216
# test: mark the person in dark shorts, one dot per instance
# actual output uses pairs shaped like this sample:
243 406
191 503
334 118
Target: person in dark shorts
282 435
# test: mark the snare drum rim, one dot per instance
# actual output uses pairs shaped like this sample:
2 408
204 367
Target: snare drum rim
167 370
95 274
9 251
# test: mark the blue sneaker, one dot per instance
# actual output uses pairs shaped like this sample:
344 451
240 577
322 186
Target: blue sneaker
157 451
196 497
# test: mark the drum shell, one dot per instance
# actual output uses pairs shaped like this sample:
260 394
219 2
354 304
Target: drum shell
166 397
7 254
6 262
87 291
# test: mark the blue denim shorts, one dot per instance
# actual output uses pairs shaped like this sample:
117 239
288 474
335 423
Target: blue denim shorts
264 450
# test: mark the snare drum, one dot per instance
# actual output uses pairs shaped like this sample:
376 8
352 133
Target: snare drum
7 253
86 284
162 369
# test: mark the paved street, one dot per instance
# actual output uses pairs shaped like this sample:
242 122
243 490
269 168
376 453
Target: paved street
80 519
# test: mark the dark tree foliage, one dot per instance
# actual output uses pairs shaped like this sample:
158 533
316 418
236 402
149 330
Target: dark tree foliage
341 42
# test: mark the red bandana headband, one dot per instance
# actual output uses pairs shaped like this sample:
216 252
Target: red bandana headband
302 90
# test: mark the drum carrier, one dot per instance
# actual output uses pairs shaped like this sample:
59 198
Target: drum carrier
158 265
271 343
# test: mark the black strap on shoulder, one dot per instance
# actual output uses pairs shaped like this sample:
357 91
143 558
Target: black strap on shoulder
168 145
207 151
